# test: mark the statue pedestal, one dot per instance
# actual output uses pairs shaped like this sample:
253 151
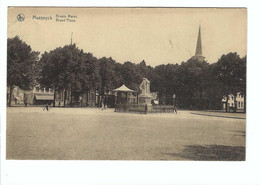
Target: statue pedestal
144 99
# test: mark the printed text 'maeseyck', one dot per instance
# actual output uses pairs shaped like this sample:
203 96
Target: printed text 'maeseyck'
46 18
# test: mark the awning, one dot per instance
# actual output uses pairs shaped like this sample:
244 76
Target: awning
123 88
44 97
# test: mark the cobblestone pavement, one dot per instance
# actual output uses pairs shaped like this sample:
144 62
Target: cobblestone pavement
93 134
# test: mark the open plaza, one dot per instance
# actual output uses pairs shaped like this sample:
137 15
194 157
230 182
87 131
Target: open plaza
96 134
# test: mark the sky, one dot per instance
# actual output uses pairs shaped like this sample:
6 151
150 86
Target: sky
156 35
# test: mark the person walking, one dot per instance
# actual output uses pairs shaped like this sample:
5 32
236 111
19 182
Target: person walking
175 109
102 106
46 107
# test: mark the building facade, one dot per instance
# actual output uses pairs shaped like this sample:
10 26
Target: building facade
36 96
42 96
240 101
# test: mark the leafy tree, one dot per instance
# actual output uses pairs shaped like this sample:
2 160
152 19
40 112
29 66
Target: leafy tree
64 69
131 75
229 75
158 84
188 83
165 82
108 74
91 71
51 69
20 65
74 72
212 89
243 79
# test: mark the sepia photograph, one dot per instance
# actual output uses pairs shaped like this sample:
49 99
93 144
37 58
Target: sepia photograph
126 84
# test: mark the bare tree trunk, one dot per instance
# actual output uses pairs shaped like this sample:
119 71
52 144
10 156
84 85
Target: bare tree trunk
71 98
227 103
245 103
87 98
54 97
200 101
99 102
10 96
25 99
65 97
235 103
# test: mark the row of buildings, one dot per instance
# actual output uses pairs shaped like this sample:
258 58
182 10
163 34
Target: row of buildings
240 101
43 96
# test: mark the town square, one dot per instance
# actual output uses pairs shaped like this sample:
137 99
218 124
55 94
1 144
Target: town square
93 134
111 89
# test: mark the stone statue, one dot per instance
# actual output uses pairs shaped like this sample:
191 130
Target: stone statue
145 97
145 86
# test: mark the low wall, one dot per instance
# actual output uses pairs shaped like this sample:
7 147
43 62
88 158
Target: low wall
143 109
162 109
130 108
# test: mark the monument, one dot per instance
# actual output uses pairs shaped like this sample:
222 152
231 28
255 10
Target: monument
145 97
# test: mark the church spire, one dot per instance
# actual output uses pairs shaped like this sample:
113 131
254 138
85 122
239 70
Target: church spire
198 54
71 38
199 45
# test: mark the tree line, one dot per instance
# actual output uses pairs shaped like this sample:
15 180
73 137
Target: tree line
197 85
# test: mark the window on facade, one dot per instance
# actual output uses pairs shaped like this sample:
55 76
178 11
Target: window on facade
37 89
232 105
42 89
232 97
47 90
242 104
239 104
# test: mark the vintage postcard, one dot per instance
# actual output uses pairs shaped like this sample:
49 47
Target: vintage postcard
126 84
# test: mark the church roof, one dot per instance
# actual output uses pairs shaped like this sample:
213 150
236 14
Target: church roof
124 89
